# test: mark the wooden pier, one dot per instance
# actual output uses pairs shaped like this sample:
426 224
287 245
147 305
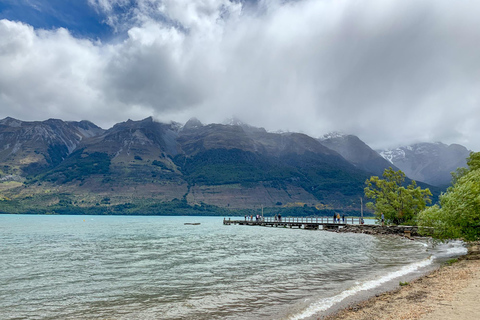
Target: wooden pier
295 222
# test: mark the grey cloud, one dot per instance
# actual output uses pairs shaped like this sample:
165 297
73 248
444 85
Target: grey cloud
390 71
148 76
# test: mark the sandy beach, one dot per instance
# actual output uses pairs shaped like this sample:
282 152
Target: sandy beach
448 293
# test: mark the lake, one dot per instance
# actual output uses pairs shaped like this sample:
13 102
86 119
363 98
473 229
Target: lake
155 267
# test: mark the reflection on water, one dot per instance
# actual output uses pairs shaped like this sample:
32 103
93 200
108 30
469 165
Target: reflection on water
70 267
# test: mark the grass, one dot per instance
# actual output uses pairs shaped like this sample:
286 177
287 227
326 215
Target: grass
403 284
9 185
451 261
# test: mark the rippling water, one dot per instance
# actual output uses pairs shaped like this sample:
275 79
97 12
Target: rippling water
110 267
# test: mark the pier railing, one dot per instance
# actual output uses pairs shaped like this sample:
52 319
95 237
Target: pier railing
320 220
295 222
303 220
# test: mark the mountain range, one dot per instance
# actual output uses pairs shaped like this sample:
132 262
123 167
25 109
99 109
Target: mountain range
431 163
145 166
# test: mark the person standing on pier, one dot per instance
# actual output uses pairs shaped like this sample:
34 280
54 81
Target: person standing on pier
383 219
334 217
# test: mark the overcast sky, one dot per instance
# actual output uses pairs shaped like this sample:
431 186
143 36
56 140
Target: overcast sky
392 72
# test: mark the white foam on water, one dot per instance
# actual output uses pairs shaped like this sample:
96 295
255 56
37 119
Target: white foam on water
454 249
327 303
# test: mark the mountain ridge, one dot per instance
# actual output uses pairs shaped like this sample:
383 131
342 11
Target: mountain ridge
148 165
357 152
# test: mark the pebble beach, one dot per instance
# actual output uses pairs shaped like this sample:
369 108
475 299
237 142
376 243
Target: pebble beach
449 292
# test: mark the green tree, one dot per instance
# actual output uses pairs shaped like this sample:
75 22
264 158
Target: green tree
399 204
458 216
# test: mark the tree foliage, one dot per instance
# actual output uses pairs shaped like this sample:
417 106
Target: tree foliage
399 204
458 216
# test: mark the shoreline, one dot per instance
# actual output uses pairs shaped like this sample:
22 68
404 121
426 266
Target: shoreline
427 292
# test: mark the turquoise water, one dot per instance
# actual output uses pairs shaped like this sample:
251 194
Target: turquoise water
128 267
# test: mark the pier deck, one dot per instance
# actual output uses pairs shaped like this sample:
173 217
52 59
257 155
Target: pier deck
348 225
305 223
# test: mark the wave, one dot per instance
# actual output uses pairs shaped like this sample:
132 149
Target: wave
448 250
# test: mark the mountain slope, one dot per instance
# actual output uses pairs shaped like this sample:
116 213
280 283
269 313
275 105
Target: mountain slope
247 158
32 147
357 152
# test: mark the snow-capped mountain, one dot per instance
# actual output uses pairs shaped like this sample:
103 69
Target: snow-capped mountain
428 162
333 135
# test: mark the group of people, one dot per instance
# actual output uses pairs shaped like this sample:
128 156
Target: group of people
278 217
250 217
336 218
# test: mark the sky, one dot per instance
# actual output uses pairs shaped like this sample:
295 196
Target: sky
392 72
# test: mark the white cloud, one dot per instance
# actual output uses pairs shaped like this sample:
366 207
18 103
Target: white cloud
47 73
389 71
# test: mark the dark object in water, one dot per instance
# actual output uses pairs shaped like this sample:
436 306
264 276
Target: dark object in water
192 224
